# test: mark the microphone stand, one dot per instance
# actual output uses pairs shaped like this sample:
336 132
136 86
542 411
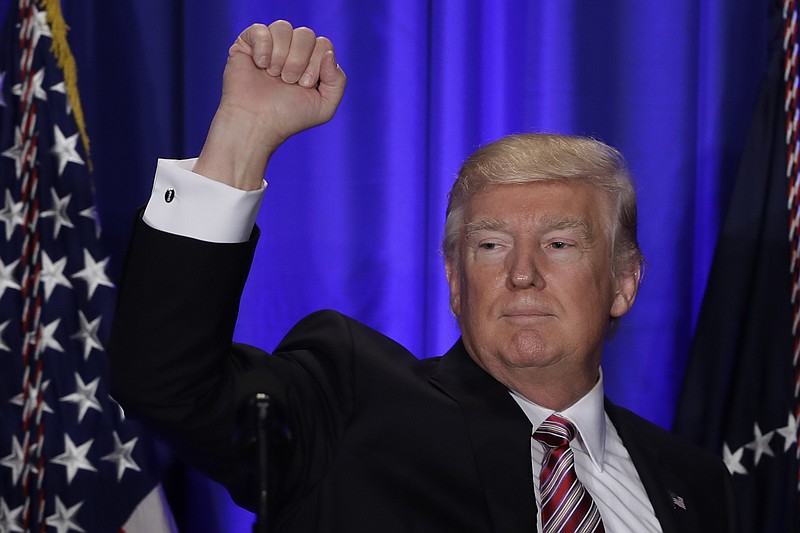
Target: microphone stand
261 414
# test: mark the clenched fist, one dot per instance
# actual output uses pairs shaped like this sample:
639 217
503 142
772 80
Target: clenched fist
278 81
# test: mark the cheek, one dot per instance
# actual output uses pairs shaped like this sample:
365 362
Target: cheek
480 291
589 294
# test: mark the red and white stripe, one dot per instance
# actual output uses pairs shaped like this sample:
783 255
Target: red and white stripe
566 505
32 426
791 82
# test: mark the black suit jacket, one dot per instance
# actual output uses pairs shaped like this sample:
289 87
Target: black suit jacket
377 439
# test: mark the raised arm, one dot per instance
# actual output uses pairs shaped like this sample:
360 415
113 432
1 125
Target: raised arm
278 81
173 365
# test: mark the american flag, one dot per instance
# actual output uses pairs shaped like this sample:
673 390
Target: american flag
741 394
69 461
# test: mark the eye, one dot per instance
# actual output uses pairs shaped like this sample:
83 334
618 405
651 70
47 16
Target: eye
488 243
563 250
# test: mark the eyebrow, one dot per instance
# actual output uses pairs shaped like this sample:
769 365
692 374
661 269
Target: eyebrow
486 224
567 222
548 223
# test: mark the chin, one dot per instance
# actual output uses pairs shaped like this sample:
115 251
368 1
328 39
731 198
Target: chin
527 348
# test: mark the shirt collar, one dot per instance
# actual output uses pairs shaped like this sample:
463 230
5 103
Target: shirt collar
588 415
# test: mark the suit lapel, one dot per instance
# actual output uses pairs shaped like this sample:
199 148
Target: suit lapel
665 487
500 436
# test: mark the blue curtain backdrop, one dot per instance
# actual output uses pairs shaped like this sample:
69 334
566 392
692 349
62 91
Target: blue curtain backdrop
353 215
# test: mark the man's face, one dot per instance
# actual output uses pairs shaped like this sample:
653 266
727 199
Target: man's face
532 284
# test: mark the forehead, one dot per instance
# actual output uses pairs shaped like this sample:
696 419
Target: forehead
540 202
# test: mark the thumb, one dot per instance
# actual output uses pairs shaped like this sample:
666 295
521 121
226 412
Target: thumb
256 42
332 79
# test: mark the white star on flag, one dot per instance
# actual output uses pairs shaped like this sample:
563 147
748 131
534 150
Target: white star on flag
74 457
788 432
91 213
12 214
60 88
85 396
760 443
10 520
88 334
62 519
16 460
122 455
38 92
59 212
3 346
52 275
93 273
15 152
7 280
47 334
733 460
40 26
31 403
64 149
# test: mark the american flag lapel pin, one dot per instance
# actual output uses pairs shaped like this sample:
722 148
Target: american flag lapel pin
677 501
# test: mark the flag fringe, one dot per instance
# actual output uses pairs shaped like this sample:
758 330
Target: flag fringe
66 62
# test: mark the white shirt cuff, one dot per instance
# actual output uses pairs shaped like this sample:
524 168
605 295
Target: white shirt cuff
191 205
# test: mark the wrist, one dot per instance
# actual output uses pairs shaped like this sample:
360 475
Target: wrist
237 149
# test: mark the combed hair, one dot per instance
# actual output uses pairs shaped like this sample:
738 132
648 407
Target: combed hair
533 158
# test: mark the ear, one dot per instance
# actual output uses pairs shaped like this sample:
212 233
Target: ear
454 281
627 283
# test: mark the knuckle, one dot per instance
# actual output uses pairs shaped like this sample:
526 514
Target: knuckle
281 25
304 33
293 69
255 32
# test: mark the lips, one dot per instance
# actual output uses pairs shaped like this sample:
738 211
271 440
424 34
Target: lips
527 312
527 307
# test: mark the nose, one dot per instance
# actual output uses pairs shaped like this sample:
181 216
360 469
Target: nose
523 271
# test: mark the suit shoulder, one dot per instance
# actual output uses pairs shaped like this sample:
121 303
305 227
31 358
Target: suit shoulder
630 425
330 331
667 463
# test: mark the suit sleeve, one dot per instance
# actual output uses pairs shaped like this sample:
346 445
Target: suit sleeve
174 366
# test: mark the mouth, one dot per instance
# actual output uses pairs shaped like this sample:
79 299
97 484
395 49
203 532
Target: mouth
527 316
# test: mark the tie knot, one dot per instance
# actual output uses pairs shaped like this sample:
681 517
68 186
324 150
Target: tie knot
555 431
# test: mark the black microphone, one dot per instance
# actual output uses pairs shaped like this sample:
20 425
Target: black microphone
261 420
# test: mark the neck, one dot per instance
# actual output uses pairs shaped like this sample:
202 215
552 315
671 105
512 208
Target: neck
554 390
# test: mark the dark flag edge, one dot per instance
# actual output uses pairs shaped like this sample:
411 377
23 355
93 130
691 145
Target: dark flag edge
69 459
739 397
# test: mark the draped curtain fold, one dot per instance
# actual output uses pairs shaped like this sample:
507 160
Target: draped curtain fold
353 214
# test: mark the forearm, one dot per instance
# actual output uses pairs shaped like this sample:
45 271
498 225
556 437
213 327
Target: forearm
171 338
173 366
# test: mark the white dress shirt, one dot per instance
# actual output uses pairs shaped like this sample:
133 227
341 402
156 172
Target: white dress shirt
187 204
602 464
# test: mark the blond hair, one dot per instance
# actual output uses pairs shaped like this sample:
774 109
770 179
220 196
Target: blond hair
534 158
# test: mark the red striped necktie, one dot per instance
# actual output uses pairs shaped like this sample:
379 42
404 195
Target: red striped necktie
566 505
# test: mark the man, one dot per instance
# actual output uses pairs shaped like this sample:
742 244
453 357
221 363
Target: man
509 431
